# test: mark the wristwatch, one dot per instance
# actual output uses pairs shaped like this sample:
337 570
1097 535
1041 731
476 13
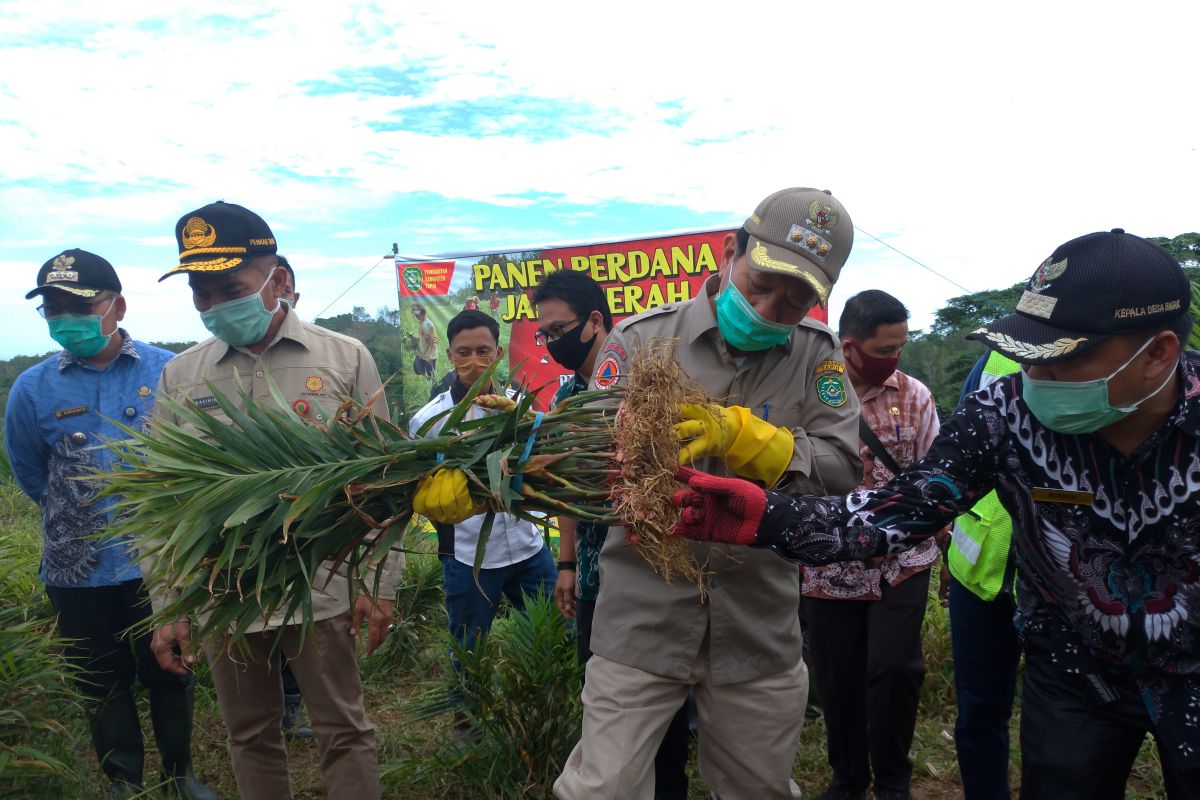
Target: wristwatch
571 565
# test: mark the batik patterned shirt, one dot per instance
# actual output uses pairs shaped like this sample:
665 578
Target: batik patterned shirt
1107 546
58 415
589 536
902 414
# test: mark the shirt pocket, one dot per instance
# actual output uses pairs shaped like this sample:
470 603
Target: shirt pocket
901 442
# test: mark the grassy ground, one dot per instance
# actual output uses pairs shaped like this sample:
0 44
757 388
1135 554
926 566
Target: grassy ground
416 757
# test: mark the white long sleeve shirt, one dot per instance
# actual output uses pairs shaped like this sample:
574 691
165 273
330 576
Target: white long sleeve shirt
513 540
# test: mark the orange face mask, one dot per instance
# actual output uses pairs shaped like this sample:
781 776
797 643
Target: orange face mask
469 368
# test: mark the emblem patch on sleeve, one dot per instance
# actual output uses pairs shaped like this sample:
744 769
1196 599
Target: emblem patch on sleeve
831 389
613 347
608 373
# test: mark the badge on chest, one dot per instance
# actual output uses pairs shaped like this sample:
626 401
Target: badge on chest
1047 495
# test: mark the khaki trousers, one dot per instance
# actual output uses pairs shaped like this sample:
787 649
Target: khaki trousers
250 691
748 733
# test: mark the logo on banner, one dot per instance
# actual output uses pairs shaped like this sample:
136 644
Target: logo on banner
425 279
412 279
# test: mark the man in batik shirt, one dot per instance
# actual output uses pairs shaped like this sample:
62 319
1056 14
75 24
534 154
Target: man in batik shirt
1094 449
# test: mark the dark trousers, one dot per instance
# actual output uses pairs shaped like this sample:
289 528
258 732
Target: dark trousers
986 657
290 685
670 762
1076 746
97 618
868 668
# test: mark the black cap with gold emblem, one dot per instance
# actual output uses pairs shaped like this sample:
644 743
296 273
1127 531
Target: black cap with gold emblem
221 237
1088 290
78 272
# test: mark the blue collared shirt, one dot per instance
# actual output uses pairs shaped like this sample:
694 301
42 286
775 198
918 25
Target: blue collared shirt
58 412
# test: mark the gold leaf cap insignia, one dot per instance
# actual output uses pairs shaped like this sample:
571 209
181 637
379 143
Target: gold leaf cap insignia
198 233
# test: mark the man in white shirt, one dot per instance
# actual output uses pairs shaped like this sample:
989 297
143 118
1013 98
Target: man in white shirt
516 561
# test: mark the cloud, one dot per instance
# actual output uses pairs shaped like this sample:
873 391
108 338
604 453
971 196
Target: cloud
973 138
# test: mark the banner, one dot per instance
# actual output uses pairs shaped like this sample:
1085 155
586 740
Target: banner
636 275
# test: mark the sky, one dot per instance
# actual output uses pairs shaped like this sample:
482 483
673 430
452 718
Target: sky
974 138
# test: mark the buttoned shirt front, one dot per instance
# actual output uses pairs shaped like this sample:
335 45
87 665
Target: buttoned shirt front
901 412
750 614
316 370
58 415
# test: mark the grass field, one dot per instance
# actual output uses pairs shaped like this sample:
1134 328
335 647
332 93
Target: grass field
417 759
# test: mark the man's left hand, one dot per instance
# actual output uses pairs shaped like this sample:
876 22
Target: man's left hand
707 429
380 615
752 447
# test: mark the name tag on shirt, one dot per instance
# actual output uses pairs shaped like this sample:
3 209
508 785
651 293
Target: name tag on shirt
1043 495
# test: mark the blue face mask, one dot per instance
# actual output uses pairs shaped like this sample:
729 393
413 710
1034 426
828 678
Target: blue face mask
742 326
81 335
240 322
1079 406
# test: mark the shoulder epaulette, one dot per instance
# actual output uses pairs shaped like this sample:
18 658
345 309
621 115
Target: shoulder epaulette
665 308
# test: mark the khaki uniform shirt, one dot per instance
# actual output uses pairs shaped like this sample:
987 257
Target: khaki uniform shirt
315 370
750 616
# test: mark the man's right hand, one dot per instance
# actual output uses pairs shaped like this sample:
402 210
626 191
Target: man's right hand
444 498
564 592
172 648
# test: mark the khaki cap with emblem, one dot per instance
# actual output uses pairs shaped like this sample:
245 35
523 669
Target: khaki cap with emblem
78 272
220 237
805 233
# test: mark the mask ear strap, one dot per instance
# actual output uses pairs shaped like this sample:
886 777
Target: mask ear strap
1129 361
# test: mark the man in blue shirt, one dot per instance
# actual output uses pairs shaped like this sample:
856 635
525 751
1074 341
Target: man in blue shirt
58 412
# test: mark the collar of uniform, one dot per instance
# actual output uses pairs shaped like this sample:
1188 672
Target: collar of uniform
892 382
128 348
699 316
1187 414
292 328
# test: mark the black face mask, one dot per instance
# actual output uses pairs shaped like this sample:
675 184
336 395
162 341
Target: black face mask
570 350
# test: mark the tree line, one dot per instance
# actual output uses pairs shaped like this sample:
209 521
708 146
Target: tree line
940 357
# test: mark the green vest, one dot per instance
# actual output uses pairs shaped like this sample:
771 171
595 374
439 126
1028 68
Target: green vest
978 554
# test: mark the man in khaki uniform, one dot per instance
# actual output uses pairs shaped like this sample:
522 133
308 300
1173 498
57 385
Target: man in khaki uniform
792 423
229 254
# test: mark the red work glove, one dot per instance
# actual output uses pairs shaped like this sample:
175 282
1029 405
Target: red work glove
724 510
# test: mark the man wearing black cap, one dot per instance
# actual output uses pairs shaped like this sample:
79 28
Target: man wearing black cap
1094 449
229 255
58 412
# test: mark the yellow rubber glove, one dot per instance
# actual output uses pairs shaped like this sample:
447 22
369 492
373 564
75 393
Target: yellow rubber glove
761 451
708 429
752 448
443 498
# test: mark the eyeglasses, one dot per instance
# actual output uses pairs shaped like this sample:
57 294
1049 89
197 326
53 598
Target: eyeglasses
77 308
555 331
